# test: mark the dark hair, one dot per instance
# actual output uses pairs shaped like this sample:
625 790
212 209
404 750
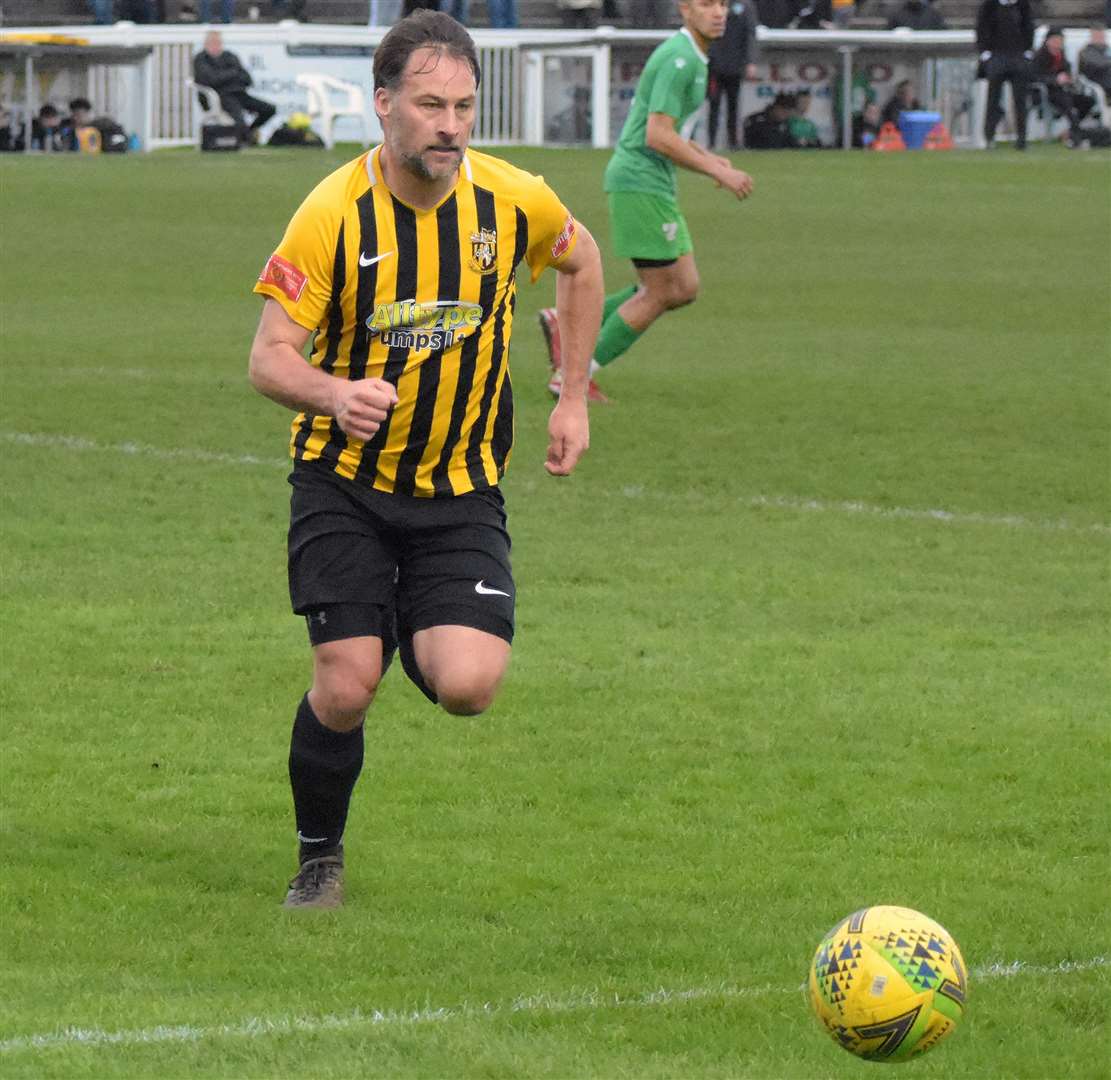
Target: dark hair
424 29
47 111
1055 31
80 103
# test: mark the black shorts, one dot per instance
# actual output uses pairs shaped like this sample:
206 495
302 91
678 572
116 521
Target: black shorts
358 555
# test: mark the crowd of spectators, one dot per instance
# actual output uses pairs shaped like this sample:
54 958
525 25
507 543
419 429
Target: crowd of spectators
1004 40
647 14
105 12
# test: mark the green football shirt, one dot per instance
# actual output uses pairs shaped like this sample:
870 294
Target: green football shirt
673 82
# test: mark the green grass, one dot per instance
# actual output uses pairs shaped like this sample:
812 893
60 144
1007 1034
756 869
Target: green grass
756 685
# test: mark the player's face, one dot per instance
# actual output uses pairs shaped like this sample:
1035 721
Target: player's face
428 119
705 17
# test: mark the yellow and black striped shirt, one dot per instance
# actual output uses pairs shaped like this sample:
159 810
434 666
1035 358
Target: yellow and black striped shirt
425 300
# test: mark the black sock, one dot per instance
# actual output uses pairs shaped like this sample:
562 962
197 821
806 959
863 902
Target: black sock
323 767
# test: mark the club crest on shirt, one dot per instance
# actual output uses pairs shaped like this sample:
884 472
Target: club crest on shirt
484 251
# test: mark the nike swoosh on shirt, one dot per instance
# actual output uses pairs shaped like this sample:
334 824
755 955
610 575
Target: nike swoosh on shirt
364 261
483 590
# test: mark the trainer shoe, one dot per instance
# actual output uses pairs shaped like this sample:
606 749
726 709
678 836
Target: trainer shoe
593 391
318 884
549 326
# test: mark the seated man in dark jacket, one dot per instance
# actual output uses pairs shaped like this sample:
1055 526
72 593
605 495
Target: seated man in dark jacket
229 78
903 100
770 128
1095 63
1052 70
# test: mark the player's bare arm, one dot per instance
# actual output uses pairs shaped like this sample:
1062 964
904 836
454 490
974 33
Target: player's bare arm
662 137
580 293
278 370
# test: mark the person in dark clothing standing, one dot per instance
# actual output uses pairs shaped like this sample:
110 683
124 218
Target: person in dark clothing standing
732 58
813 15
223 72
1005 38
776 14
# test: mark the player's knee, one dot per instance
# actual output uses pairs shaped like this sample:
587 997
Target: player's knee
343 693
466 693
684 292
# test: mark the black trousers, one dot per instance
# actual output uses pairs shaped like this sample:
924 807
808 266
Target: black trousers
1014 69
729 87
1071 104
237 103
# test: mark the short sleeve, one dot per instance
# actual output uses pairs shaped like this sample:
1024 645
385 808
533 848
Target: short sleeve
671 87
552 229
299 273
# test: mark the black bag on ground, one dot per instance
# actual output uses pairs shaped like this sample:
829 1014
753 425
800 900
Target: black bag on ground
1095 135
113 138
219 137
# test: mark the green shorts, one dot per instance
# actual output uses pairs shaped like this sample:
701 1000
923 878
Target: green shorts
647 226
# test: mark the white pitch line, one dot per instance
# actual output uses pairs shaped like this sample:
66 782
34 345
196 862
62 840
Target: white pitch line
105 373
632 491
130 449
540 1004
1014 521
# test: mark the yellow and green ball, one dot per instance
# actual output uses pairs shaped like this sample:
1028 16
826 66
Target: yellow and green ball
888 983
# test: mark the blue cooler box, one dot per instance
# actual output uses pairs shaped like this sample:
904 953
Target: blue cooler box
914 126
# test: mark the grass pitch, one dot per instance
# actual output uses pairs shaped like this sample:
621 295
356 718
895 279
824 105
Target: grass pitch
821 622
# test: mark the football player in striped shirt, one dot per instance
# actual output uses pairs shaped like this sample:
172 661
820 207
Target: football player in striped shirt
401 268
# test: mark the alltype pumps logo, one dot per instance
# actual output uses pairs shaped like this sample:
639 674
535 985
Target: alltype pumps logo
436 325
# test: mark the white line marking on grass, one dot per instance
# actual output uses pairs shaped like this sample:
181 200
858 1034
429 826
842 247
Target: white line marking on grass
632 491
137 374
258 1026
1014 521
947 517
73 442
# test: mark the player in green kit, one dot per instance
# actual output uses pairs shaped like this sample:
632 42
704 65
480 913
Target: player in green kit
648 226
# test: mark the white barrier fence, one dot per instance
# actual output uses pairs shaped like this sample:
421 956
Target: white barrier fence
539 87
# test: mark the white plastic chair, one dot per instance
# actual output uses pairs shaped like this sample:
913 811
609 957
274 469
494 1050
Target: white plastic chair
325 104
206 108
1103 109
